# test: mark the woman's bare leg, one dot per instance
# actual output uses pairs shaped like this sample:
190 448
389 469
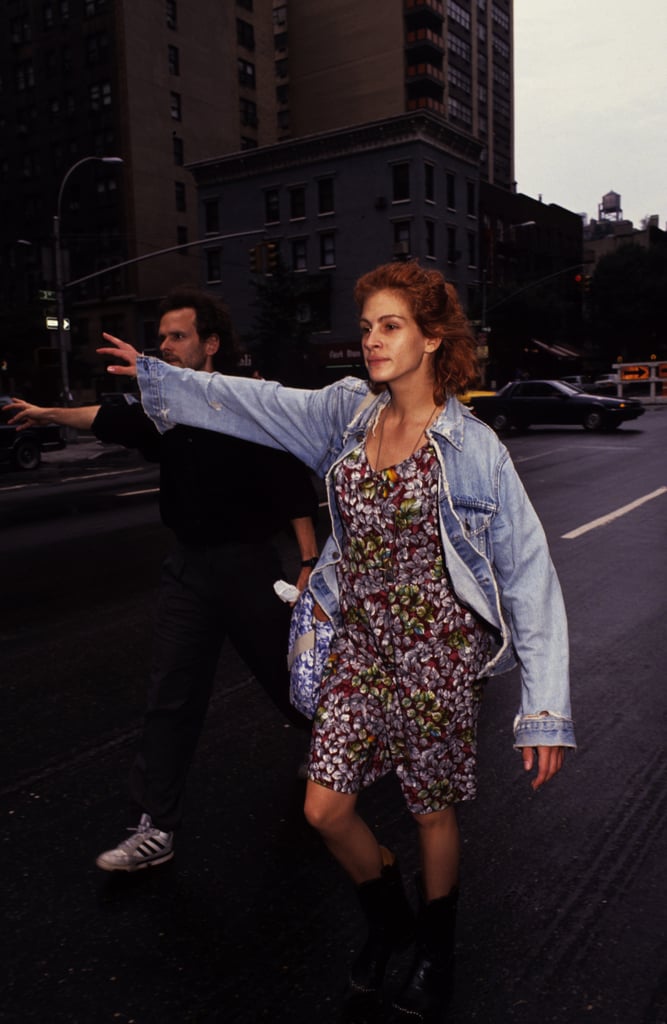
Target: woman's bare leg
440 848
345 834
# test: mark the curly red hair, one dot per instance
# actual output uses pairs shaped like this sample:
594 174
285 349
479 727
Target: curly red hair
436 309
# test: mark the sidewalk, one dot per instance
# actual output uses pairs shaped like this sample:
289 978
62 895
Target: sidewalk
84 447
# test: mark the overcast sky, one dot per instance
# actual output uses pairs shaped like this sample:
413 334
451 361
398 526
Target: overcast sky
591 103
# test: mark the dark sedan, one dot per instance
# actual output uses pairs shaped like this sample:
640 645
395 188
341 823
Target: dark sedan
23 448
524 403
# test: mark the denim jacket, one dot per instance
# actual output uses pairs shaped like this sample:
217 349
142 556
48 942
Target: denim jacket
493 542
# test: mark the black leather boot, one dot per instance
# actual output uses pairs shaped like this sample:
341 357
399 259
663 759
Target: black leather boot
429 983
391 926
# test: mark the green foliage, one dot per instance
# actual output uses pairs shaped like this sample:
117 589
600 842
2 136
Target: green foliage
627 302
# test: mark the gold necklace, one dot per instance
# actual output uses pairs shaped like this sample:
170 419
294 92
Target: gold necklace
423 430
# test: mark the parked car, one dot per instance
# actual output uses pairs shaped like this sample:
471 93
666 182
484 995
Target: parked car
523 403
23 448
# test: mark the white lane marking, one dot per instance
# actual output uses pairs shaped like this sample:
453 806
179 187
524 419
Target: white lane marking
603 520
17 487
541 455
131 494
97 476
568 448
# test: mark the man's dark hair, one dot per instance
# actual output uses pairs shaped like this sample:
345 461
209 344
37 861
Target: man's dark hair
211 317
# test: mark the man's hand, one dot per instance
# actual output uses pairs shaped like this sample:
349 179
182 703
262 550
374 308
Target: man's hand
26 415
549 761
121 350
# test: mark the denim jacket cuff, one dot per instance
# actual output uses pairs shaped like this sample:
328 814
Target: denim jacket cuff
546 729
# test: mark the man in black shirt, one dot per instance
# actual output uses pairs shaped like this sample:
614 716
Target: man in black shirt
224 499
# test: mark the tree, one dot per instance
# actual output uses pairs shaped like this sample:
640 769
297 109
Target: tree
280 333
627 303
289 308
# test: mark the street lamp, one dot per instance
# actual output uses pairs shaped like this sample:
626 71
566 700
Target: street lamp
58 271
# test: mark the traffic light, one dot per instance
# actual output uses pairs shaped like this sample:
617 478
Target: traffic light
255 259
272 256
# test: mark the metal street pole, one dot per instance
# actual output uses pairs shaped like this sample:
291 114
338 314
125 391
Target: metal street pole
66 394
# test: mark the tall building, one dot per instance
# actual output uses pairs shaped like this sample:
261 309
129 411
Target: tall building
351 62
157 83
169 86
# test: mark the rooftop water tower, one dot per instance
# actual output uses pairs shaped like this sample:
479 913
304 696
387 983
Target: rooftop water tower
610 207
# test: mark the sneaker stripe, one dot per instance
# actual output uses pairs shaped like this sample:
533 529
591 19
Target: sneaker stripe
150 847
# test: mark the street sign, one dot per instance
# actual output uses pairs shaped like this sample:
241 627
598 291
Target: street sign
46 296
52 323
634 373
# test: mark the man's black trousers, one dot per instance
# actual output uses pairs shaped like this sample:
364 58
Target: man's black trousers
207 594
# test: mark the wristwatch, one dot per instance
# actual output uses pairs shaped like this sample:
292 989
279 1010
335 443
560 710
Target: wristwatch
310 563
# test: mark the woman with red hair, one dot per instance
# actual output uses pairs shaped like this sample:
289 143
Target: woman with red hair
437 575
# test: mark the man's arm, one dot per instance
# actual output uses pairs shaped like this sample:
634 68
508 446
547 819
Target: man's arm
27 415
304 531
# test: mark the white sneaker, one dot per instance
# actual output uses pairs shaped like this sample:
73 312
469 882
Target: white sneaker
146 848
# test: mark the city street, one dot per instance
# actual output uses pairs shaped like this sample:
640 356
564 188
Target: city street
563 913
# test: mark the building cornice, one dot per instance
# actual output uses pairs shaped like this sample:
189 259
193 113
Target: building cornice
417 126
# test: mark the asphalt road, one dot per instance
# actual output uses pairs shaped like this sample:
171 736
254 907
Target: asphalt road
563 916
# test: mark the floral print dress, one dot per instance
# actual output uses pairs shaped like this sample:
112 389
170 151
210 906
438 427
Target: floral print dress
401 687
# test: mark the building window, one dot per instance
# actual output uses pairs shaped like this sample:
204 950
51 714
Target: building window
245 4
248 143
25 76
283 120
297 204
245 34
459 79
280 42
246 73
282 94
271 206
171 13
458 13
178 151
501 48
401 182
452 252
97 48
459 111
213 265
471 199
327 250
99 95
299 253
211 216
458 46
93 7
173 61
175 106
429 183
48 16
500 17
280 15
281 68
182 237
325 195
430 238
248 111
64 11
501 77
472 249
179 195
402 247
451 191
